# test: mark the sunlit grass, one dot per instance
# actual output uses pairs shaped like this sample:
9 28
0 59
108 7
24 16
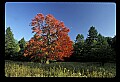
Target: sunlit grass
59 69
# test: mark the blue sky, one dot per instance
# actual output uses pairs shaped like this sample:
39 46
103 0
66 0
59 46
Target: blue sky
77 16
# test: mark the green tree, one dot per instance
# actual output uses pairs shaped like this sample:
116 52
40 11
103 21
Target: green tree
90 44
113 46
78 47
103 51
114 43
17 46
101 40
79 38
22 43
92 36
79 43
109 40
11 48
97 47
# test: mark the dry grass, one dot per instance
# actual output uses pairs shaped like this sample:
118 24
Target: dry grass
59 69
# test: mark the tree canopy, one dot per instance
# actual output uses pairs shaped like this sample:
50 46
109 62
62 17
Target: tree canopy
51 40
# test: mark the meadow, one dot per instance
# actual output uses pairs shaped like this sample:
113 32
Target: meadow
60 69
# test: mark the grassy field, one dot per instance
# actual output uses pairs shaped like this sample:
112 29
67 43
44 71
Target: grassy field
59 69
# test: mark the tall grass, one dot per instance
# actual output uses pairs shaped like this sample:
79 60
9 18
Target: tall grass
59 69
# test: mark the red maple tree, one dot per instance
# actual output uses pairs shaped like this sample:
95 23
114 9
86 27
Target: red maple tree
51 40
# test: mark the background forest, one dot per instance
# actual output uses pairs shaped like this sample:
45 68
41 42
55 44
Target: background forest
95 48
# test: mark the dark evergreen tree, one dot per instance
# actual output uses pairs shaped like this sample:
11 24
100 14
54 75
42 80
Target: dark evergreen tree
90 44
114 43
109 40
79 38
113 46
78 47
11 48
103 51
92 36
22 44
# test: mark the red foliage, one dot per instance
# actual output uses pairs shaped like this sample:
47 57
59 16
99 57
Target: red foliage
51 39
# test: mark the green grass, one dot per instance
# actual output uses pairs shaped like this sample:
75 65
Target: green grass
59 69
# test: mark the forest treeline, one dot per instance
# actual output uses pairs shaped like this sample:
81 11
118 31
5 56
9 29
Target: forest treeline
94 48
